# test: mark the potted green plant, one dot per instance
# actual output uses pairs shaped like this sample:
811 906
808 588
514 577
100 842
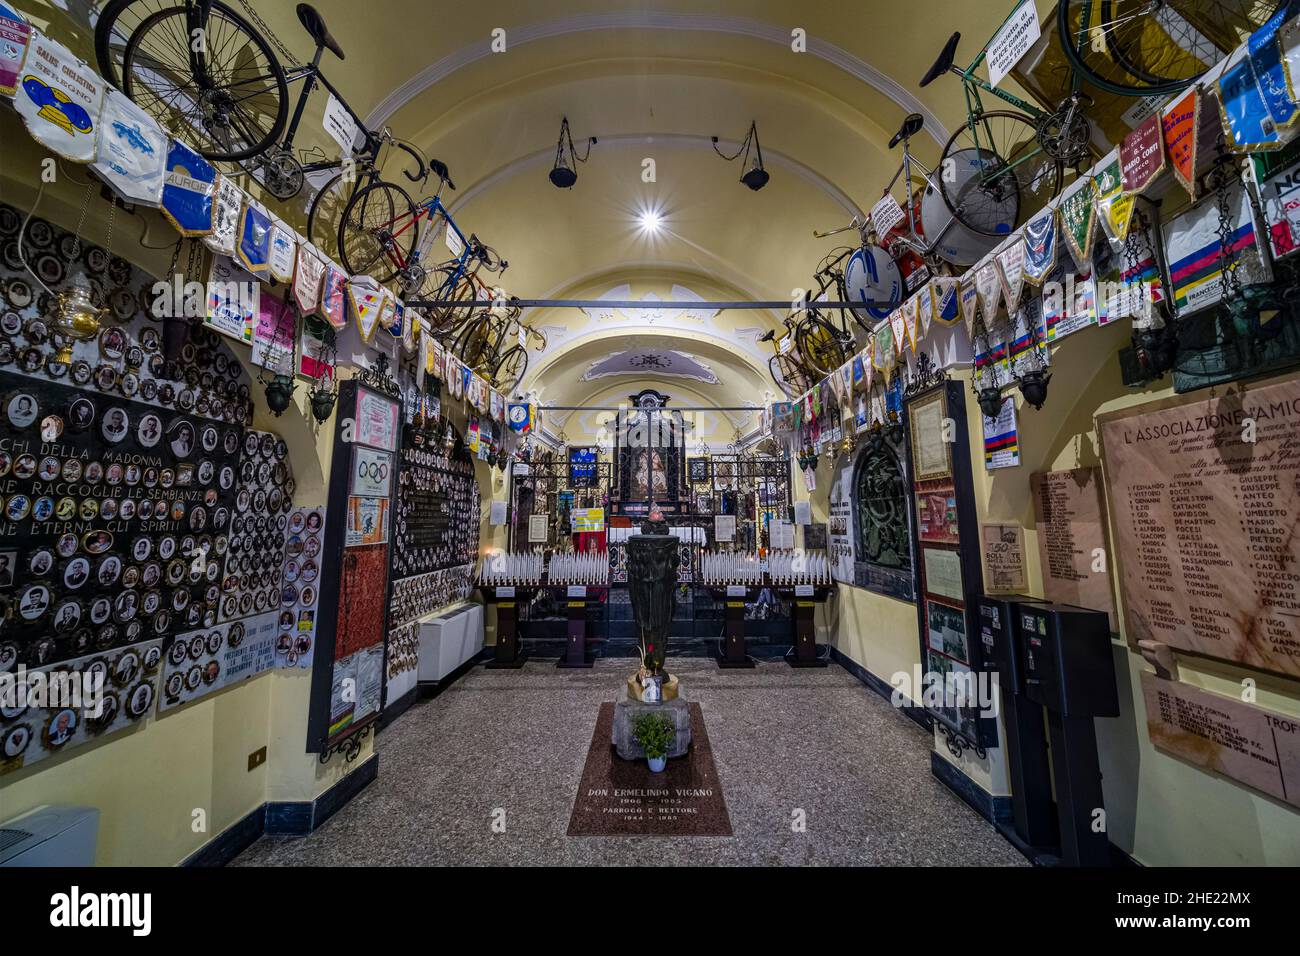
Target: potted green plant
654 734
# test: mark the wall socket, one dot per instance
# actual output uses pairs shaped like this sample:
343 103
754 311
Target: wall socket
257 758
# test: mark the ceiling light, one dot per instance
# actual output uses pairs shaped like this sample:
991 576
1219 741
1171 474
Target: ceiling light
565 171
754 176
650 221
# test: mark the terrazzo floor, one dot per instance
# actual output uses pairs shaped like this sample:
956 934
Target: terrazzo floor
783 739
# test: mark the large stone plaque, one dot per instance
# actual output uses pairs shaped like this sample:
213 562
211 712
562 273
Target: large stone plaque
1247 743
1071 517
1205 501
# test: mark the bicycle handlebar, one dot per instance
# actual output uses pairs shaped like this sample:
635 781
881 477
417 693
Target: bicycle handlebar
423 171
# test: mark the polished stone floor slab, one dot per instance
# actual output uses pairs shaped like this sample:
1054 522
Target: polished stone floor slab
487 772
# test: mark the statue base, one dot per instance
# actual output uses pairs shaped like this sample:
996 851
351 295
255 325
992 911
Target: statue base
625 711
668 690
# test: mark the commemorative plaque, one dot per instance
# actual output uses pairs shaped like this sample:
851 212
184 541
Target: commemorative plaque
1205 499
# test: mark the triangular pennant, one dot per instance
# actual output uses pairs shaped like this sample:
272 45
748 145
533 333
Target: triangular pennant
254 248
1011 272
969 302
897 328
947 299
308 272
1142 156
227 204
333 296
1113 204
284 252
989 288
1078 211
1040 246
1180 128
924 310
366 298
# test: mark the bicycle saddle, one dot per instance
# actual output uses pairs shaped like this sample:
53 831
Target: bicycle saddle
440 170
314 24
767 336
944 63
911 126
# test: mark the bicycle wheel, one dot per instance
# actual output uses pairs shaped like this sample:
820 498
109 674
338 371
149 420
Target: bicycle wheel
778 377
444 284
510 370
117 21
326 213
994 173
378 231
474 343
819 345
235 113
1153 47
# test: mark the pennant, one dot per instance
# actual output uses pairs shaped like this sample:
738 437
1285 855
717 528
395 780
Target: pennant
1011 272
1040 246
947 299
187 190
1078 219
254 249
912 321
1266 58
519 416
227 205
15 36
308 271
885 356
1179 126
1115 206
1245 115
59 98
859 372
426 352
1288 41
132 148
897 328
924 310
989 289
233 299
333 296
367 299
284 252
969 300
409 322
1142 156
868 367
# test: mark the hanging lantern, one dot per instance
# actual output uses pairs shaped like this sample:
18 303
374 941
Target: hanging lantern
279 394
754 176
75 317
564 173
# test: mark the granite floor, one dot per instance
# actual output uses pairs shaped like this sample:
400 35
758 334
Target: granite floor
783 740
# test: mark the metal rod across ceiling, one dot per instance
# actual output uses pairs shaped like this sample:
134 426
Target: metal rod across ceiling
785 304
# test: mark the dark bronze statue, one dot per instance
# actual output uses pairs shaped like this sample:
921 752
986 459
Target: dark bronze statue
652 561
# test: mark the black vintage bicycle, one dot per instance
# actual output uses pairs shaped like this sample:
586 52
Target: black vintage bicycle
211 78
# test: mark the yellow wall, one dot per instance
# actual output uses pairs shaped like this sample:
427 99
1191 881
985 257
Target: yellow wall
1162 811
149 781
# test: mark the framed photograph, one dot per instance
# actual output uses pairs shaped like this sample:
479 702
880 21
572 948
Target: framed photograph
931 448
697 469
946 630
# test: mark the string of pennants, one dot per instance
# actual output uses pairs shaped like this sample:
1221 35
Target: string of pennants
1251 98
72 111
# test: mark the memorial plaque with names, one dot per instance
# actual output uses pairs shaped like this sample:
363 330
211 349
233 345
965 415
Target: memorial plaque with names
1071 520
1239 740
1205 522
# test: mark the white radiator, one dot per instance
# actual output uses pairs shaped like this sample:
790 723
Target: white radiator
448 639
50 836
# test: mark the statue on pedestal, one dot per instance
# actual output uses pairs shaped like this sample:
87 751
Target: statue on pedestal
652 562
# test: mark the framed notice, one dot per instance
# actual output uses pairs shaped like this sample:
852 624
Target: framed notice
936 514
943 572
930 453
1003 546
538 527
1203 497
367 522
372 473
376 420
947 630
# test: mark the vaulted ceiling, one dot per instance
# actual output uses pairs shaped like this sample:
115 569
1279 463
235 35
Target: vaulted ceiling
484 87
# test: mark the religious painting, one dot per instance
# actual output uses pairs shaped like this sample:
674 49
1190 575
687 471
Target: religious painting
649 475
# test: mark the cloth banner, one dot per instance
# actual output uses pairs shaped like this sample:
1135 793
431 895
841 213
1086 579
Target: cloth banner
59 99
132 149
1011 272
188 187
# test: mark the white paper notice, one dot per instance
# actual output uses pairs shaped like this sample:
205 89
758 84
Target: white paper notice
802 512
724 527
886 214
340 125
497 514
1018 34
